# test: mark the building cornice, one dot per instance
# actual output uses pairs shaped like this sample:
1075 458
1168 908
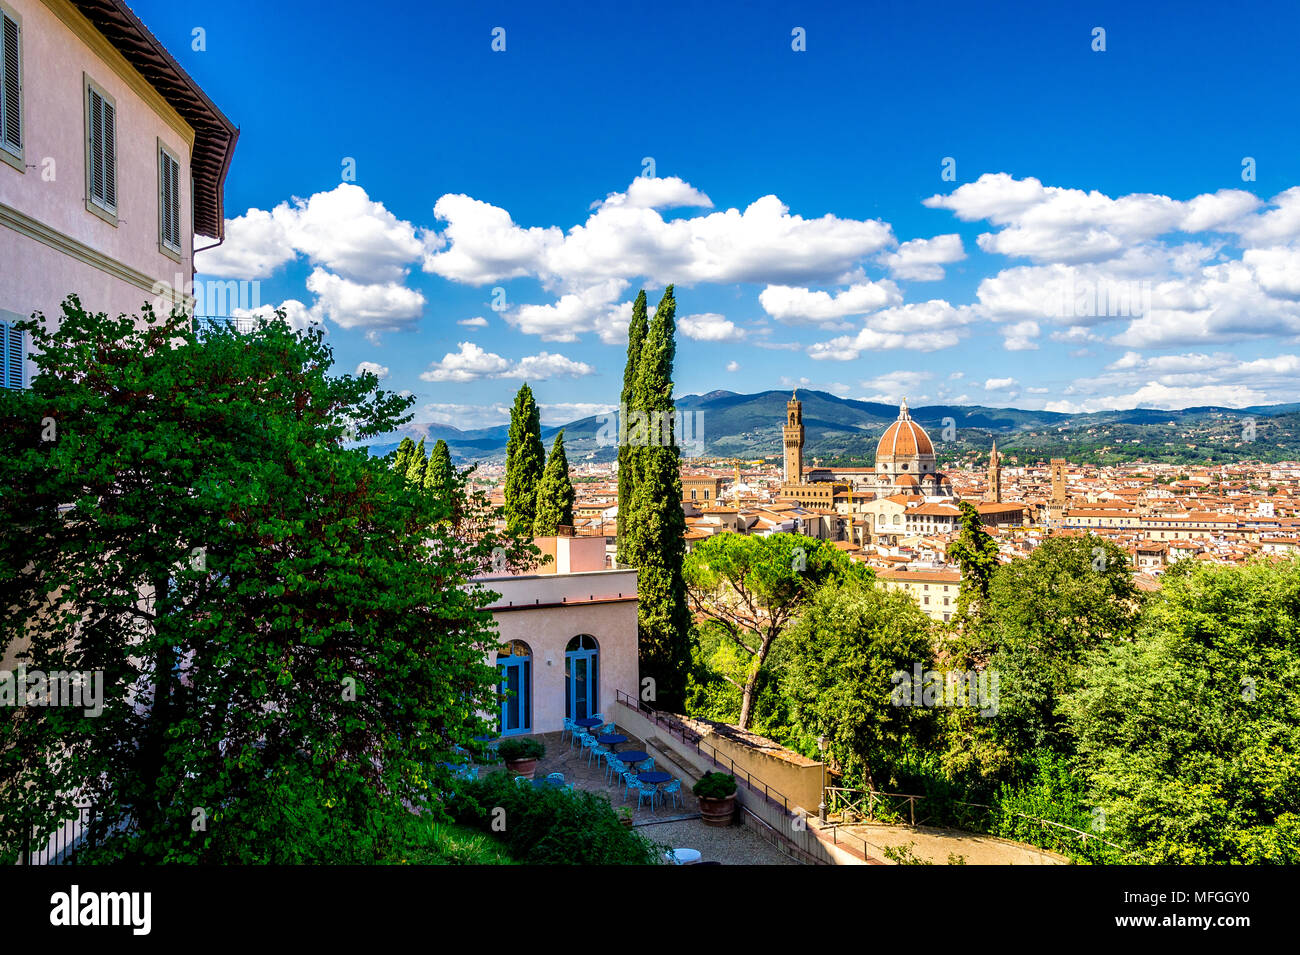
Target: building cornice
38 231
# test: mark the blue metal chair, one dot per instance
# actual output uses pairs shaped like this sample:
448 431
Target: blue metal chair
597 752
568 728
578 737
672 789
609 728
629 783
556 779
523 782
646 764
616 768
646 792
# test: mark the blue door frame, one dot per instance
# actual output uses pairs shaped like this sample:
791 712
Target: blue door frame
581 683
516 694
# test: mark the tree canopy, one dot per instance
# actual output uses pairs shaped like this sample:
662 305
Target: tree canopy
752 587
278 622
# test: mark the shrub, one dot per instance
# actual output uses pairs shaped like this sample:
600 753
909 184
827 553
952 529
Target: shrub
526 748
715 786
550 826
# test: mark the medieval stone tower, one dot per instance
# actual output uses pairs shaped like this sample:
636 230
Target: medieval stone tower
793 435
994 493
1056 503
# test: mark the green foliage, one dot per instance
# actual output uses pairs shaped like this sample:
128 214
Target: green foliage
525 459
1052 790
977 553
1189 734
304 617
837 669
906 855
522 747
555 493
419 462
636 333
1043 615
432 843
750 587
439 475
715 786
405 450
546 826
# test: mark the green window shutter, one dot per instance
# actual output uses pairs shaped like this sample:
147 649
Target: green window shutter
95 106
110 154
11 121
103 151
169 199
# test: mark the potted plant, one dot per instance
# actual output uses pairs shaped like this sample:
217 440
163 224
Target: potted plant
717 795
625 816
521 755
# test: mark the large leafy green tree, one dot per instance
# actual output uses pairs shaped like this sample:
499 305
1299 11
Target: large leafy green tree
555 493
636 333
1043 615
751 587
655 528
277 621
525 462
1189 734
838 662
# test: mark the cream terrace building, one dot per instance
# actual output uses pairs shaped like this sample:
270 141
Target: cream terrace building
568 637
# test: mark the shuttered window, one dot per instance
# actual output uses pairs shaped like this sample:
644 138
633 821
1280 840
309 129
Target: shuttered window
101 153
169 200
11 110
12 356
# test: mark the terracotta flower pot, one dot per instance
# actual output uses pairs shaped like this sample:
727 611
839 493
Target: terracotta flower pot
718 812
521 767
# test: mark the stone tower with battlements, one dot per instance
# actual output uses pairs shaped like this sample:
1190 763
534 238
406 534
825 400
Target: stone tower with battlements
792 434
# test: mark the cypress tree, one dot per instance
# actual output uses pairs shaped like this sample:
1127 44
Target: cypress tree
439 475
656 523
554 493
404 451
415 470
636 332
525 461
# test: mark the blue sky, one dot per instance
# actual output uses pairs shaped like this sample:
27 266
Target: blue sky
1094 246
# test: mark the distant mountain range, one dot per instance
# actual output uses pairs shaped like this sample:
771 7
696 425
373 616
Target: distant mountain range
844 431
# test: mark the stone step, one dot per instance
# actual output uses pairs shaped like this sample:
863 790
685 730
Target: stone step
669 762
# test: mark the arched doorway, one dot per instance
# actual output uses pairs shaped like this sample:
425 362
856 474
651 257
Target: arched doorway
582 677
515 666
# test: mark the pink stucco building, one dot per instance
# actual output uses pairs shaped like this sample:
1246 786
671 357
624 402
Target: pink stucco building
568 637
112 160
